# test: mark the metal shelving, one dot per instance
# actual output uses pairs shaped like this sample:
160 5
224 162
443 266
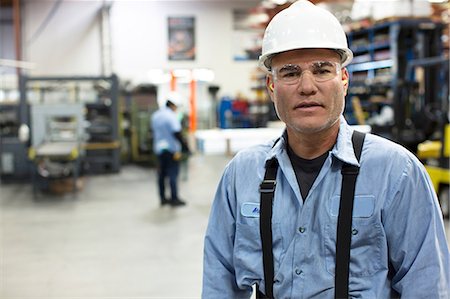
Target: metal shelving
379 77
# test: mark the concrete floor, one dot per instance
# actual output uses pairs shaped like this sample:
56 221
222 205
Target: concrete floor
111 240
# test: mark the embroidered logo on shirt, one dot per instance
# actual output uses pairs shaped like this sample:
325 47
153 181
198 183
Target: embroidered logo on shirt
250 209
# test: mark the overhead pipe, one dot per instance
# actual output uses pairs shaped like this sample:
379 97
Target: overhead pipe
17 35
24 128
105 33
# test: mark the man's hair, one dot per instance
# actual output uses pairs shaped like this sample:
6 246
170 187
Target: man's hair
169 103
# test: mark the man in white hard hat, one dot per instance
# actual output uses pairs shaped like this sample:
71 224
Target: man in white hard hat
322 212
168 143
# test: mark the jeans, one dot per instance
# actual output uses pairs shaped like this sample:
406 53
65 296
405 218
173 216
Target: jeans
167 168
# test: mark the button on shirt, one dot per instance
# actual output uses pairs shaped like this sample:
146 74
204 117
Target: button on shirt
164 124
398 241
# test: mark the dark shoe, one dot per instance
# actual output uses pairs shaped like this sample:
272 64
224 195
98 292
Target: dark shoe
165 202
177 203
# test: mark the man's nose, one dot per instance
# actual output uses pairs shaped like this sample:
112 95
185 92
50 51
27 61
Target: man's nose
307 83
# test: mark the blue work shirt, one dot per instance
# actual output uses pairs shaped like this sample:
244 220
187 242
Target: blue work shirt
398 239
164 124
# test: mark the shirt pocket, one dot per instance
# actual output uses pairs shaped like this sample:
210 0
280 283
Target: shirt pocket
363 206
367 238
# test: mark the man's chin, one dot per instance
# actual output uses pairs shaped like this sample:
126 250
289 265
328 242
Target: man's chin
312 128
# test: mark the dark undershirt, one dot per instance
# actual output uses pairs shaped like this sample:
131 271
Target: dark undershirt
306 171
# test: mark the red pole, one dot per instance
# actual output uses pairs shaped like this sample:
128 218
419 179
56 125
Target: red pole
173 81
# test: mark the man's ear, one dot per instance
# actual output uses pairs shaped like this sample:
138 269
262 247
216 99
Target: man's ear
345 79
270 85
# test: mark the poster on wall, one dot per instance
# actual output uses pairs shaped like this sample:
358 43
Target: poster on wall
181 38
247 35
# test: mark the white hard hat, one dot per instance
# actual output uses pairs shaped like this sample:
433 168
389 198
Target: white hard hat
175 98
303 25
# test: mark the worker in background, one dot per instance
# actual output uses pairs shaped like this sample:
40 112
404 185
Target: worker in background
168 145
396 237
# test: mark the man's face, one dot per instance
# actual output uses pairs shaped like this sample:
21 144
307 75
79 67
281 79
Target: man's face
308 88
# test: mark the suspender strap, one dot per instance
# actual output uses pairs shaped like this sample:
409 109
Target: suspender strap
259 295
267 190
344 225
358 140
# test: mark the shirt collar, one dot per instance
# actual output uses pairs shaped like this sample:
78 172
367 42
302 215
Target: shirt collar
342 150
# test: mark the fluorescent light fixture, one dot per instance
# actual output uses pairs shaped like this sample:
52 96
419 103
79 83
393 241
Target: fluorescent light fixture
158 76
279 2
204 75
268 4
182 73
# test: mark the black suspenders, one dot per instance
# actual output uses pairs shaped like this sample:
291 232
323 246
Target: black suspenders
267 190
344 225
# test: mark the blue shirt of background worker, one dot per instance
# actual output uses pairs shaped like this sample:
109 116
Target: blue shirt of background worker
165 124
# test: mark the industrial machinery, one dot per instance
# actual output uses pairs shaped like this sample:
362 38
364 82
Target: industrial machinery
143 105
57 134
98 99
432 115
13 163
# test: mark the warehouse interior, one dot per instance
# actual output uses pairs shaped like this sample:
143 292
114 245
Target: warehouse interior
79 81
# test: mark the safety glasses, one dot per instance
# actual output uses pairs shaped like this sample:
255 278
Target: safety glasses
321 71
